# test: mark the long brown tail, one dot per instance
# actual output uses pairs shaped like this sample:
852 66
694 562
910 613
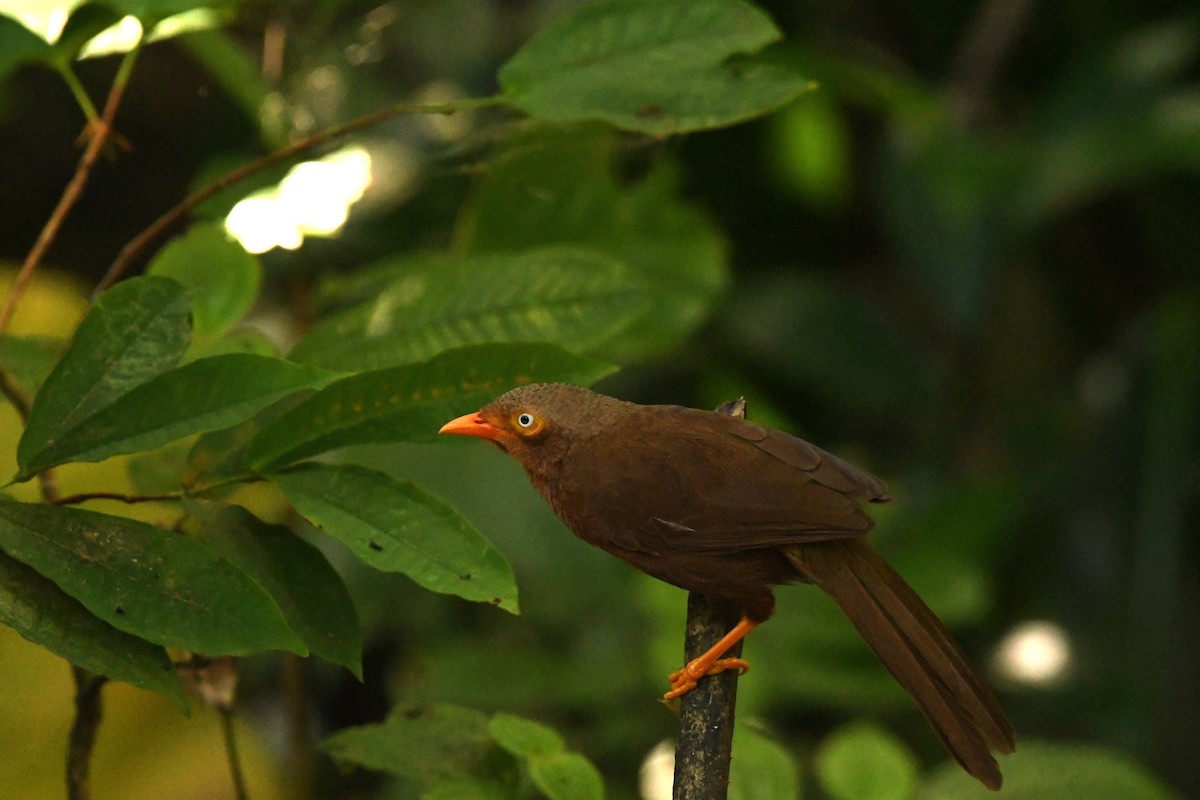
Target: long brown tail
915 647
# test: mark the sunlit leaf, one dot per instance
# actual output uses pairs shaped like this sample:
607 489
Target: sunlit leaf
19 45
410 403
656 67
41 612
147 581
221 277
396 526
309 592
568 296
135 331
204 395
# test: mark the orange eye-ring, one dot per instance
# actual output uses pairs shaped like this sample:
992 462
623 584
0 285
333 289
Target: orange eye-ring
527 424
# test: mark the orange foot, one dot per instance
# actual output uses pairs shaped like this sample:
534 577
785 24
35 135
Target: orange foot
684 680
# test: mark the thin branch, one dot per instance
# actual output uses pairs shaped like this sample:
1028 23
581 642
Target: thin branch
12 393
705 747
139 243
231 753
83 497
99 135
88 711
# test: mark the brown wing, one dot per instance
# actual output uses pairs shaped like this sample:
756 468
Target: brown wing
700 482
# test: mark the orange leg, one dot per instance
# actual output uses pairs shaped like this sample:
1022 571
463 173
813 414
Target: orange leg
710 663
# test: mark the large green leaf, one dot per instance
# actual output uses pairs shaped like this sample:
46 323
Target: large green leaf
863 762
147 581
396 526
219 456
555 186
135 331
427 744
568 296
656 67
308 591
1051 771
41 612
221 276
205 395
410 403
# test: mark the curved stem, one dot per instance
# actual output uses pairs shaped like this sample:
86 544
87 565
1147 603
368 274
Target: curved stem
88 710
156 229
99 133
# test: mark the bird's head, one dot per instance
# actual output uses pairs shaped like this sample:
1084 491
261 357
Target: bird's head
536 424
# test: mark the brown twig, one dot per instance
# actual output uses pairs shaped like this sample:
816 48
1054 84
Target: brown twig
88 710
139 243
83 497
98 135
705 747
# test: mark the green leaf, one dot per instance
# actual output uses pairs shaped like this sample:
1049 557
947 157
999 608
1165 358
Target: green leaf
147 581
556 186
1049 771
84 23
309 592
135 331
761 769
38 610
566 776
205 395
657 68
201 396
157 471
567 296
217 456
524 738
396 526
428 744
19 45
410 403
222 278
864 762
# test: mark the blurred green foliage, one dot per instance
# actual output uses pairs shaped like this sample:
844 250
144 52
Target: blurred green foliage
969 262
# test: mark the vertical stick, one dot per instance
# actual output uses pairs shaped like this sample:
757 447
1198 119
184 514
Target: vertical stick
705 747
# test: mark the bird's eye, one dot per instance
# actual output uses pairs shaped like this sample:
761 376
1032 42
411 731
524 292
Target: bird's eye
525 419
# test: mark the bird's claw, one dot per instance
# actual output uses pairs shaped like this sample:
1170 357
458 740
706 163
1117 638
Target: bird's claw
684 680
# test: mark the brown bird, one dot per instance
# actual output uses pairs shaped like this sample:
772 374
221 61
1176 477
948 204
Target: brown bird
718 505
